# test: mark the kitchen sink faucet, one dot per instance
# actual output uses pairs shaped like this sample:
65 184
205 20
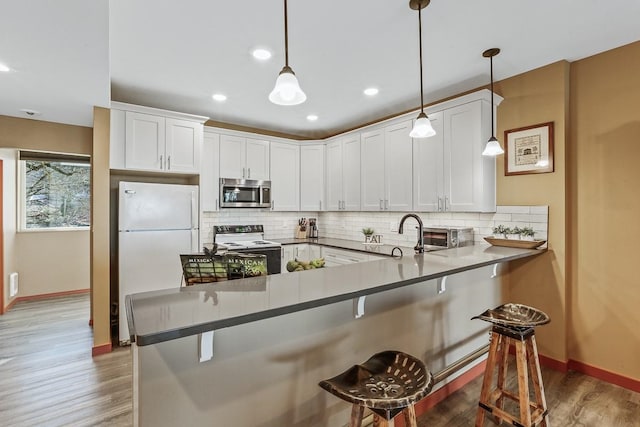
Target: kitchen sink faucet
419 248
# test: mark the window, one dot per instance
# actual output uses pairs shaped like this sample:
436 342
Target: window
55 190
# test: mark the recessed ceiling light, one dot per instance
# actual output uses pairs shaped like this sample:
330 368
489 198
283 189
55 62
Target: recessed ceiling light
312 117
371 91
4 68
261 54
219 97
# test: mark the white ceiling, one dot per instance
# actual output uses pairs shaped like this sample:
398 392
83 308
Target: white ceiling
175 54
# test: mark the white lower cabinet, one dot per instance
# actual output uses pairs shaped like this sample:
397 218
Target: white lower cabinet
300 252
334 257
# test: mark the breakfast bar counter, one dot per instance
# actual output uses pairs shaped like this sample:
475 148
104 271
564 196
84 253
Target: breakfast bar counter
250 352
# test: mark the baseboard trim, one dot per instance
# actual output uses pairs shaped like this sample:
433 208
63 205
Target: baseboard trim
11 304
100 349
604 375
556 365
51 295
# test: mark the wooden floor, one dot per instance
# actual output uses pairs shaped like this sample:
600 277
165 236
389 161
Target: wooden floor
47 374
48 378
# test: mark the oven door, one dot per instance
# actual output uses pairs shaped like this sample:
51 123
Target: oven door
435 239
243 193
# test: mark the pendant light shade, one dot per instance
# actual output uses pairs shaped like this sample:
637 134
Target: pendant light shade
287 89
422 127
493 147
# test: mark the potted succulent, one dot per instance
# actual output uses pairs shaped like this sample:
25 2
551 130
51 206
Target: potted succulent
527 233
500 232
368 232
514 233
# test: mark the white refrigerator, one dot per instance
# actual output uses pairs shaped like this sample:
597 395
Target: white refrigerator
156 223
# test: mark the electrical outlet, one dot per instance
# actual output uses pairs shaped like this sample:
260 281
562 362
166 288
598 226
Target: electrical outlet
393 226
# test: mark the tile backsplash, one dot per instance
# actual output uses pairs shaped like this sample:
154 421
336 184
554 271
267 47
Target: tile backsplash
348 225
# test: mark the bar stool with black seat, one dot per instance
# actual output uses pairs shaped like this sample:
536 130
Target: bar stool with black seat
388 383
513 325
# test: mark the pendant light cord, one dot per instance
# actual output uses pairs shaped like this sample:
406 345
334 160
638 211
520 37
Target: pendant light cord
420 42
493 135
286 37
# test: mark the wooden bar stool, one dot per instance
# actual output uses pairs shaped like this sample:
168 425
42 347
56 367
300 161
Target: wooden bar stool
388 383
513 326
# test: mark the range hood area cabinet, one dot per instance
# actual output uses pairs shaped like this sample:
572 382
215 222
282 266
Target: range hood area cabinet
152 140
244 158
386 168
343 173
210 172
312 164
450 174
285 176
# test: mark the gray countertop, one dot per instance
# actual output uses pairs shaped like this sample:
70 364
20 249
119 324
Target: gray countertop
174 313
350 245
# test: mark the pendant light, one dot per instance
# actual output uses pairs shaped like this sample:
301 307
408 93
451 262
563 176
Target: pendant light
287 90
493 147
422 127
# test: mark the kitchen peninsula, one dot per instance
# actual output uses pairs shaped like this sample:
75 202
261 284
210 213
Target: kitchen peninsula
277 336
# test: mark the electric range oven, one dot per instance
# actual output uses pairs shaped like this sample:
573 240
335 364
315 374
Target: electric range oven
249 239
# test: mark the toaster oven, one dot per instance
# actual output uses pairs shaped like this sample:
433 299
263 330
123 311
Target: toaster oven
445 237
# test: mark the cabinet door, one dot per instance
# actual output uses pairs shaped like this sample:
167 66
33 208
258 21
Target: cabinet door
334 176
428 169
257 161
398 192
288 254
311 178
463 158
117 136
210 172
144 142
285 176
372 161
302 252
183 143
232 156
351 172
315 251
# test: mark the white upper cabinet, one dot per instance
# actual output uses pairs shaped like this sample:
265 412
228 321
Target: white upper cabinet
244 158
285 177
312 177
386 168
148 139
210 172
450 172
343 173
428 173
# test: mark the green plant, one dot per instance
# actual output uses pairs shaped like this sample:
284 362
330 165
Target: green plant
527 232
516 230
501 229
368 231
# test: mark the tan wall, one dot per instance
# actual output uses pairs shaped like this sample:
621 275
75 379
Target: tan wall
46 136
16 133
539 96
9 219
100 296
605 141
52 261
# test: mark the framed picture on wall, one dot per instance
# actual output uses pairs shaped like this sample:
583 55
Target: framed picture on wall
529 149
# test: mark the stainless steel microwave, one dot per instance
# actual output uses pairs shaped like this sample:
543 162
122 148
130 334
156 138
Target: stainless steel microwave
244 193
444 237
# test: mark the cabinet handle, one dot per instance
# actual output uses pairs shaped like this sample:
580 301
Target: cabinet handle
439 204
243 171
386 204
168 163
248 172
161 165
381 205
273 204
446 202
320 205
